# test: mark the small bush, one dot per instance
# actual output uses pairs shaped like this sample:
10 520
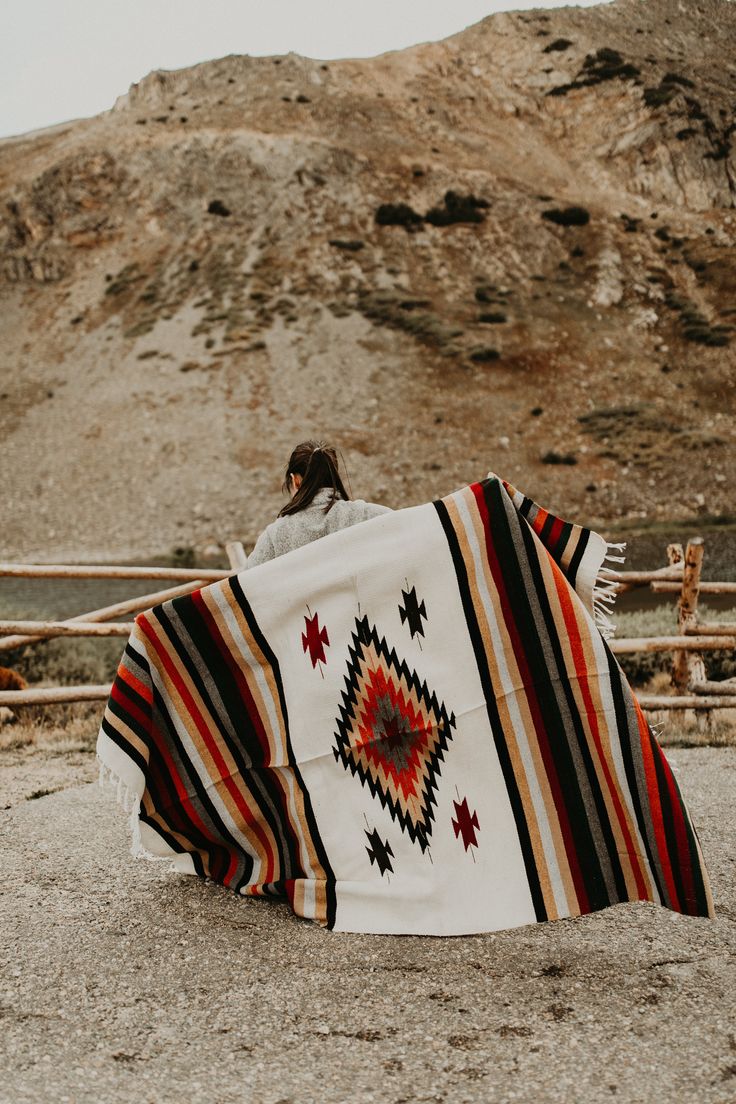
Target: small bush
125 279
558 44
398 214
675 78
400 311
568 216
484 354
217 207
352 246
553 457
605 64
457 208
658 97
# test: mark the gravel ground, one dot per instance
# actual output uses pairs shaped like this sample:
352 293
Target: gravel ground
122 982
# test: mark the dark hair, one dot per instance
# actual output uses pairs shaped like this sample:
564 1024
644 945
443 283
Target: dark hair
316 463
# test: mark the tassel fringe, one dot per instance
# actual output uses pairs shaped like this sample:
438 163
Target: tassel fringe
131 802
604 595
604 590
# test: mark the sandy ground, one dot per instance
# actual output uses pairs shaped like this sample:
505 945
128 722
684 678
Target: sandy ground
122 982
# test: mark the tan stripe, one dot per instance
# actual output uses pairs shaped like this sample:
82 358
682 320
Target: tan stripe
552 816
320 901
704 873
126 732
277 739
197 739
302 825
572 543
507 726
551 574
298 905
185 843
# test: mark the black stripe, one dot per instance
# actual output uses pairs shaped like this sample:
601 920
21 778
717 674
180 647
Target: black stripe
489 694
572 567
628 740
546 529
561 545
113 734
246 747
264 646
159 776
669 823
541 687
599 896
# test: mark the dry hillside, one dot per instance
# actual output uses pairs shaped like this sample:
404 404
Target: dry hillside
510 250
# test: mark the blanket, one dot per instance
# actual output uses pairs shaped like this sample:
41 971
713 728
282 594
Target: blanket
412 725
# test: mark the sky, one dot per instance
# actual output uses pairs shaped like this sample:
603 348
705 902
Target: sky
67 59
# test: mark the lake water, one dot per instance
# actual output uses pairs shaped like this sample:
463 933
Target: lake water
32 599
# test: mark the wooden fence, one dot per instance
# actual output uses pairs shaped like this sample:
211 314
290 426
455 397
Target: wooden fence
681 576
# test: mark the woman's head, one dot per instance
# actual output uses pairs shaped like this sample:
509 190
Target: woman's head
312 465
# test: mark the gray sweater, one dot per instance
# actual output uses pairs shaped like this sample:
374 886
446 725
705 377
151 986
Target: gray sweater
293 530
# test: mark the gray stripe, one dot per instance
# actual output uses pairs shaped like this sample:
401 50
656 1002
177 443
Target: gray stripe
645 803
581 772
253 781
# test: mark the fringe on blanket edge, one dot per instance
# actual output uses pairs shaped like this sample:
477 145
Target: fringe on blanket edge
131 802
604 589
604 596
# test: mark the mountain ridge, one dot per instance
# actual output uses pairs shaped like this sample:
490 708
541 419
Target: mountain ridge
511 250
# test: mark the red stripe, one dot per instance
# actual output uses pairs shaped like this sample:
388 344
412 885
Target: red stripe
554 533
655 805
533 702
240 680
683 844
211 743
117 694
539 519
583 676
144 691
254 714
183 795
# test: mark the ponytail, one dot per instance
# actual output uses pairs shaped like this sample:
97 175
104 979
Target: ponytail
316 463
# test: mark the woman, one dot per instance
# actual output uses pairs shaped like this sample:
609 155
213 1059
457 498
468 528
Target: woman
319 504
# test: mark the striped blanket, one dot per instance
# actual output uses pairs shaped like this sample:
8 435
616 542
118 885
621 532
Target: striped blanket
414 724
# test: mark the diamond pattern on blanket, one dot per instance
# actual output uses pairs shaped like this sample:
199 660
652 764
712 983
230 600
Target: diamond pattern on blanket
392 732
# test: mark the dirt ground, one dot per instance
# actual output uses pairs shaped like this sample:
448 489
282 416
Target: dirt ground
123 982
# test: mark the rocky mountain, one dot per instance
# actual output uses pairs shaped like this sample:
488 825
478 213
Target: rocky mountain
511 250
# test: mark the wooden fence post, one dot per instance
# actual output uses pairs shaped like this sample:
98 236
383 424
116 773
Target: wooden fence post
675 554
688 667
236 555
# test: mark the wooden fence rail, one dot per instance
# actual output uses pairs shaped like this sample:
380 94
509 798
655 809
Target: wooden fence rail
130 605
680 576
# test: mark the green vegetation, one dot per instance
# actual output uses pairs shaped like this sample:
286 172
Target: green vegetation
403 312
605 64
642 434
557 44
695 326
552 457
567 216
124 280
